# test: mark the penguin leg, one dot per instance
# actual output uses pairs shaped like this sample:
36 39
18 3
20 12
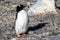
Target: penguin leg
18 35
24 34
54 10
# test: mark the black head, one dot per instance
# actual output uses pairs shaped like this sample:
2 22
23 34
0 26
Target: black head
19 8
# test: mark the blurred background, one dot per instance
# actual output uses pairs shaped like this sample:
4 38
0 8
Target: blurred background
41 27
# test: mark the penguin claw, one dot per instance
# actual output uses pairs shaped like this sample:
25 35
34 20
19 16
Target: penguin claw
23 35
18 35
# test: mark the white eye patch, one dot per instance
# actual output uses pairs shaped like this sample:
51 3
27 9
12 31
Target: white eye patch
19 5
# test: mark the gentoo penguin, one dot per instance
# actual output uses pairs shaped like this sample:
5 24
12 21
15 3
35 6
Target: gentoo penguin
21 21
42 6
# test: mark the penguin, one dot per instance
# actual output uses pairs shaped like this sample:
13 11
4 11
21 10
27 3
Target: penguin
21 24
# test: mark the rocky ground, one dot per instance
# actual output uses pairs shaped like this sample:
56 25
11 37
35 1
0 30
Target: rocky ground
41 27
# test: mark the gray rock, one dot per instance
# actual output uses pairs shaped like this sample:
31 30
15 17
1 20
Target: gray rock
57 37
58 3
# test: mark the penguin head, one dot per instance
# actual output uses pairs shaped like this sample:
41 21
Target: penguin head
20 7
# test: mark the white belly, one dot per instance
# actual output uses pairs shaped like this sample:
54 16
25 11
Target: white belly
21 22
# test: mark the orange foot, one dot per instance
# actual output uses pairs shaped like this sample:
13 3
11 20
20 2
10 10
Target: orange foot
18 35
23 35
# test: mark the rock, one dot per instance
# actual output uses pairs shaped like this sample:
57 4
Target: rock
12 7
58 3
30 32
57 37
47 34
